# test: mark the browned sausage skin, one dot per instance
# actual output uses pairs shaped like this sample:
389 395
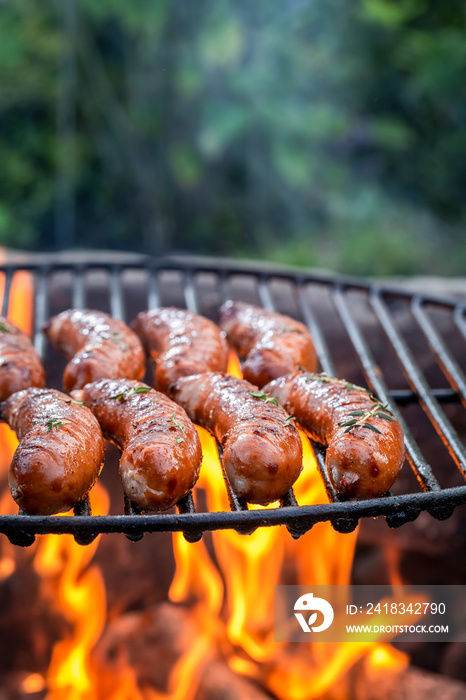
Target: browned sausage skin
365 443
60 454
98 345
20 365
262 451
272 344
161 454
180 343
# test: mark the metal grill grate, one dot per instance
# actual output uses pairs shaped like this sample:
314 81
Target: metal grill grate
407 348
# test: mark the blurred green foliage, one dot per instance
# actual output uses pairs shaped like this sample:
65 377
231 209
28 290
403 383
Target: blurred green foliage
327 134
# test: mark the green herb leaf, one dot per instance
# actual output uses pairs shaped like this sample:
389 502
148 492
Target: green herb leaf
263 397
131 392
288 420
372 427
344 424
138 390
175 423
179 439
55 424
4 328
356 413
80 403
385 415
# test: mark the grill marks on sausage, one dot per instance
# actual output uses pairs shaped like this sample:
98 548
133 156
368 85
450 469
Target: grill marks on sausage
262 456
161 451
273 344
60 454
20 365
365 443
98 345
180 343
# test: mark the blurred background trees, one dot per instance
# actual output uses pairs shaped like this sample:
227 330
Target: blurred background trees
327 134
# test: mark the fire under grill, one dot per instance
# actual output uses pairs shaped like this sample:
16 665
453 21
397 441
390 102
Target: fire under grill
408 348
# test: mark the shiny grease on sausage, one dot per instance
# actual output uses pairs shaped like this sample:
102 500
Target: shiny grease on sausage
262 451
60 454
365 442
273 344
20 365
180 343
97 345
161 450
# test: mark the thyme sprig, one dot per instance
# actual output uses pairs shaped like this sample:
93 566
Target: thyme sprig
263 397
361 417
80 403
288 420
325 378
51 424
178 425
130 392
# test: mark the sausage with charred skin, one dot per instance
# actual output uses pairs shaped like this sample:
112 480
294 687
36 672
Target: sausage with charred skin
97 345
365 442
20 365
180 343
161 450
262 451
60 454
273 344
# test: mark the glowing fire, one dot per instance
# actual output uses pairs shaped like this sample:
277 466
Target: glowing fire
79 592
233 597
251 566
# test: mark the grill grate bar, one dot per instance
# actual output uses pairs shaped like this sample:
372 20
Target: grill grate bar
453 373
320 345
237 505
421 468
407 506
41 310
116 293
186 505
319 454
78 293
420 385
6 292
190 293
265 295
406 396
459 319
153 294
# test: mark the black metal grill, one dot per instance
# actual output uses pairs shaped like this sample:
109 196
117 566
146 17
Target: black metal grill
407 348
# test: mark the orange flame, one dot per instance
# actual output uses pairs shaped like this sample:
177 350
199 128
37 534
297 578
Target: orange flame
250 567
79 592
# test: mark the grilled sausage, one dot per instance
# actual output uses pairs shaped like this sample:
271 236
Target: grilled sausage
20 366
98 346
272 344
60 454
161 454
365 443
262 451
180 343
